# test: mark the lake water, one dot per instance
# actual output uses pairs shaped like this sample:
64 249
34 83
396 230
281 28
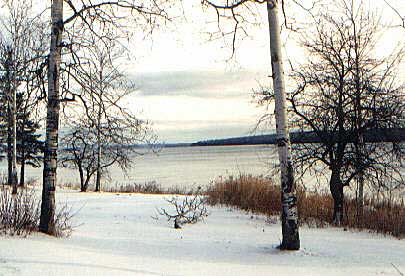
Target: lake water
181 166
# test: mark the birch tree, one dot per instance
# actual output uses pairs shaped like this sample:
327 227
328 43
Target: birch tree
290 234
343 92
20 48
87 16
9 78
11 89
47 223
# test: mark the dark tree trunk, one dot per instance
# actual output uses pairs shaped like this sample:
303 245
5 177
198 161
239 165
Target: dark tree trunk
22 167
86 184
9 127
22 172
359 166
9 158
98 177
47 221
82 186
336 189
98 174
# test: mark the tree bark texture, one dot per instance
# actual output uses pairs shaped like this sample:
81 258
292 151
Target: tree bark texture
22 167
98 174
9 148
289 216
47 222
14 136
336 189
11 91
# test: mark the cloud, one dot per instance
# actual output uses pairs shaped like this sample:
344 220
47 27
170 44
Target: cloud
197 131
202 84
186 108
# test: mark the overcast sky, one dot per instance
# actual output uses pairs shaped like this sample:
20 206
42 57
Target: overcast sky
189 88
190 92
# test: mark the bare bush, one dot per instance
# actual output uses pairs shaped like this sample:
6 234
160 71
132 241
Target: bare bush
63 221
20 213
187 209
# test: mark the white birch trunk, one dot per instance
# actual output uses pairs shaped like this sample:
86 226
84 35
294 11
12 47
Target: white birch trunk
99 152
11 91
14 135
289 200
47 223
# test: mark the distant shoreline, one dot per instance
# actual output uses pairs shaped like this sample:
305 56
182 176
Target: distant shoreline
372 136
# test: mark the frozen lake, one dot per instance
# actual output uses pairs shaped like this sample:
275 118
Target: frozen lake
181 166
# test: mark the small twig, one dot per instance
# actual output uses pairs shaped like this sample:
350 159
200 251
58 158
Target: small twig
397 269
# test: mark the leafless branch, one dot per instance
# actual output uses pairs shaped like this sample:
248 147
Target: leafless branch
187 209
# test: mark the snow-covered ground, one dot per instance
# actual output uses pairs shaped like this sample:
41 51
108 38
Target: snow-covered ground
118 236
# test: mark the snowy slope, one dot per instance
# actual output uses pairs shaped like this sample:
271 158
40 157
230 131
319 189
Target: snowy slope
117 236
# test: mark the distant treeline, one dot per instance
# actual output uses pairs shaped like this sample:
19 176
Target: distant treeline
371 136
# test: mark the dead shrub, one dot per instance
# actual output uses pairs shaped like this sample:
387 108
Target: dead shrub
187 209
63 221
20 213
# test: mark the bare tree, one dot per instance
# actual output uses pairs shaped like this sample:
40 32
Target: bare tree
101 97
11 100
21 46
86 16
78 152
80 148
289 199
343 93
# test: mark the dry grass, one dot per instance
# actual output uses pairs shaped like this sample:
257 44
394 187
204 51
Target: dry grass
151 187
255 194
20 213
261 195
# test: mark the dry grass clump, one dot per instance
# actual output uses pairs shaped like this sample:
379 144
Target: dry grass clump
379 216
255 194
148 187
261 195
151 187
20 213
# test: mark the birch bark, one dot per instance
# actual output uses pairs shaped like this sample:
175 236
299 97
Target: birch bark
47 222
289 215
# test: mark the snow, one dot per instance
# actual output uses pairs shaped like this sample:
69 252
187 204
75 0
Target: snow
116 235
